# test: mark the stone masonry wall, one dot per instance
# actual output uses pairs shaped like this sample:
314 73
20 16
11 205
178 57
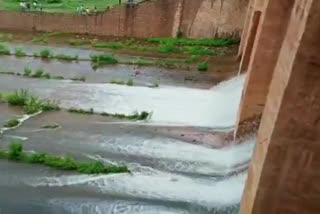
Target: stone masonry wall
153 18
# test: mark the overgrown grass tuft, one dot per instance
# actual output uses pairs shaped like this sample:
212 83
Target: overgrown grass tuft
38 74
30 103
17 153
203 66
18 52
45 53
4 50
12 123
27 71
102 59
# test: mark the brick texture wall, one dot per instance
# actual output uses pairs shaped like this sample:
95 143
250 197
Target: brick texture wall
148 19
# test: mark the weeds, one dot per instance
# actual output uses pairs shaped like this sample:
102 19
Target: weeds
129 82
18 52
17 153
203 66
12 123
117 82
30 104
4 50
38 74
218 42
27 71
45 53
102 59
53 126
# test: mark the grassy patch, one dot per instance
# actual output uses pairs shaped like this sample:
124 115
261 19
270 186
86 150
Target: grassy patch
38 73
16 153
129 82
203 66
30 103
198 50
4 50
12 123
18 52
102 59
45 53
218 42
144 115
66 57
27 71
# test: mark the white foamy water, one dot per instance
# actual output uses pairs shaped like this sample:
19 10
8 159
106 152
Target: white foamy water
216 107
177 155
163 187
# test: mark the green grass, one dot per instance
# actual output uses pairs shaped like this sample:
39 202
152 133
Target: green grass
66 57
15 152
51 126
4 50
111 45
218 42
30 103
12 123
19 52
144 115
129 82
64 6
43 39
102 59
27 71
203 66
45 54
198 50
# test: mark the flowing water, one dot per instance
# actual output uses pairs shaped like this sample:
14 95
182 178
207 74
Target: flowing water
171 173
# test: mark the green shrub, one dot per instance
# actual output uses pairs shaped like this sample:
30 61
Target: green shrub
203 66
27 71
45 53
12 123
15 151
18 52
18 98
4 50
46 75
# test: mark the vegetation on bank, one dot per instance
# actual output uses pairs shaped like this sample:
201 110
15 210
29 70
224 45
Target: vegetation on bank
144 115
16 153
11 123
203 65
121 82
30 103
63 6
102 59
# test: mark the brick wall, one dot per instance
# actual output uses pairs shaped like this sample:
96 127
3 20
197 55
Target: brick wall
147 19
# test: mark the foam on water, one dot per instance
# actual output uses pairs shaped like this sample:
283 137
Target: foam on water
160 187
170 105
